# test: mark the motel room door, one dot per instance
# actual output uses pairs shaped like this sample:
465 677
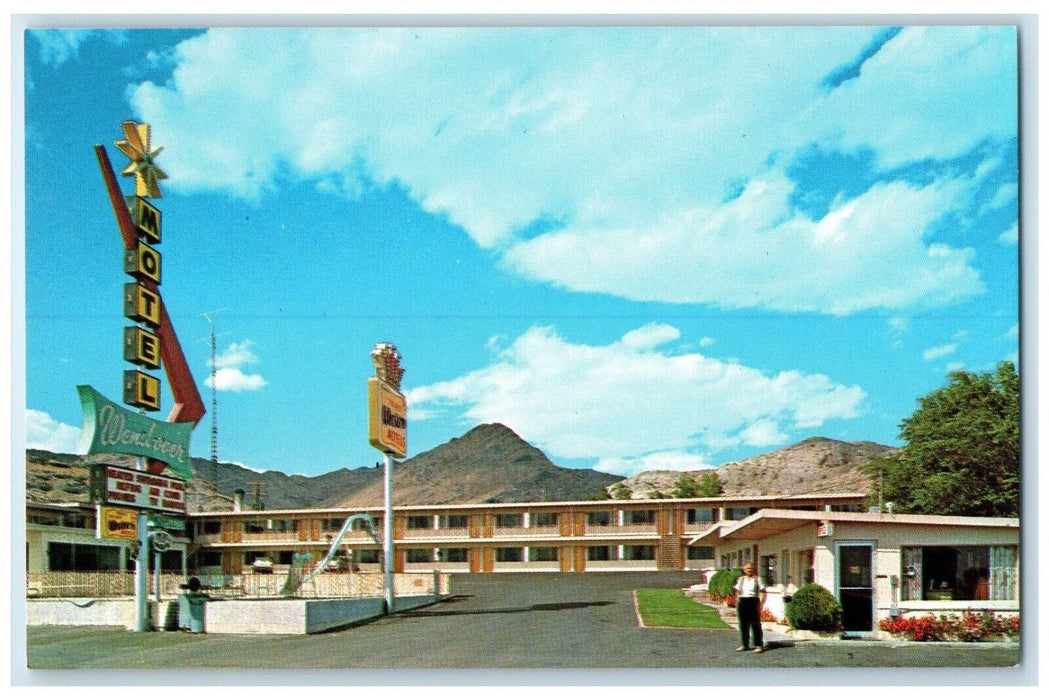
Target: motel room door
855 579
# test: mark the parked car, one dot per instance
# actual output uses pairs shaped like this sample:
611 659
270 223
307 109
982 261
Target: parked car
262 565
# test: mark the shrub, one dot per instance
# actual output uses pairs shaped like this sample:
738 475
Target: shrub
720 585
814 608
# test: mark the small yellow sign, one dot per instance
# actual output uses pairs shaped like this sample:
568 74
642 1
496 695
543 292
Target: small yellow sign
140 304
117 523
387 418
141 347
143 262
141 390
147 219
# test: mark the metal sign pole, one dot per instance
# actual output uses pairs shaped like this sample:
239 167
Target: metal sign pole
387 531
141 574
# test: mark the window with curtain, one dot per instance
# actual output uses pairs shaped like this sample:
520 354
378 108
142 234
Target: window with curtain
976 572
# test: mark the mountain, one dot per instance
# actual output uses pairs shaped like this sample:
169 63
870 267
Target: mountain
489 464
815 465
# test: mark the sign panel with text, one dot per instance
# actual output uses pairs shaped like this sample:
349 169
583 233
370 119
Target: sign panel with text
116 523
134 489
387 418
109 427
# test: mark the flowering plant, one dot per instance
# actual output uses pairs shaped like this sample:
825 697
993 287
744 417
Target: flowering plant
972 626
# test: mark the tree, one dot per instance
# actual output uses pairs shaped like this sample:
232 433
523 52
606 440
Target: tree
685 487
962 449
621 492
708 485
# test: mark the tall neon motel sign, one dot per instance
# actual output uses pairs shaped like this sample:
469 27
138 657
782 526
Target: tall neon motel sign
152 343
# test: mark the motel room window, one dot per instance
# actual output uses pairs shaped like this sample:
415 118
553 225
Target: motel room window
452 554
695 552
72 556
420 522
285 558
805 565
509 554
767 570
543 554
639 552
545 519
599 517
418 556
508 520
171 560
640 517
209 558
211 527
599 553
958 573
367 556
701 515
454 522
736 513
254 527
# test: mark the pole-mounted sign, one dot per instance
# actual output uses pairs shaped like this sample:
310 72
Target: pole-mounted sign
387 407
387 431
150 345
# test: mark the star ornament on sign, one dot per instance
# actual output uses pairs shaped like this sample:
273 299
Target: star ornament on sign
136 146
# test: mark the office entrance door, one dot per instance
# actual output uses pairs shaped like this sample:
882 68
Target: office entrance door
856 586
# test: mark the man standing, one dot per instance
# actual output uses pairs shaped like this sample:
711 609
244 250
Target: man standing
750 598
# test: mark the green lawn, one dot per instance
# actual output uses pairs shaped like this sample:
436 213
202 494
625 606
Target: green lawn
659 607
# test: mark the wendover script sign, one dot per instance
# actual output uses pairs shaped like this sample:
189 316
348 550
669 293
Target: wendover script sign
109 427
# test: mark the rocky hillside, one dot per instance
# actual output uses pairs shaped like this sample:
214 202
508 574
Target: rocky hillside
489 464
815 465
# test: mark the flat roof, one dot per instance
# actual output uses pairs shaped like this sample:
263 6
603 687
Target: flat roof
768 522
609 504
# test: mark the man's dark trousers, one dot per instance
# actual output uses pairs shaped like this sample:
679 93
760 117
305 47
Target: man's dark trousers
748 610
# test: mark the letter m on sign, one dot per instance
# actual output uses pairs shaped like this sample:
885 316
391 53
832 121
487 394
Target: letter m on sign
147 220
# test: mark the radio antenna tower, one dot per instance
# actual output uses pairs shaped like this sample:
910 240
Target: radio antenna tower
210 316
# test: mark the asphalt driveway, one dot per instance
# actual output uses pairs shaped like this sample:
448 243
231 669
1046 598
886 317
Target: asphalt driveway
551 628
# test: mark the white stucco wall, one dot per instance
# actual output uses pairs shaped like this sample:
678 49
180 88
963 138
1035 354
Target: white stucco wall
887 540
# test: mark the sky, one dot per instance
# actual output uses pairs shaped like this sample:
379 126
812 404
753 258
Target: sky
637 247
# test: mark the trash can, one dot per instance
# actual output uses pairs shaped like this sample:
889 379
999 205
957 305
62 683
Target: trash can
191 606
191 611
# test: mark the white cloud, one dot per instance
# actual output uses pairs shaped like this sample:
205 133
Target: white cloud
657 461
867 253
236 355
939 351
568 398
646 130
706 342
228 376
45 433
232 379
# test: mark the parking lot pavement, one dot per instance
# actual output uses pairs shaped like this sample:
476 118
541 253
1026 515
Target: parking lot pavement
562 622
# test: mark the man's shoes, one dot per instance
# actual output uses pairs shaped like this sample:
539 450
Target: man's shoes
742 648
759 650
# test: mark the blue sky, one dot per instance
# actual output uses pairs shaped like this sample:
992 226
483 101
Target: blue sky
639 248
